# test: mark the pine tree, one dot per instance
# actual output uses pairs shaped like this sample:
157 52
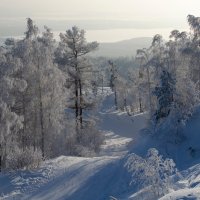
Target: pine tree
71 57
113 81
164 94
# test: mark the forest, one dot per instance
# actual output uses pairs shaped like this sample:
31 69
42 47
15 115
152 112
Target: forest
51 92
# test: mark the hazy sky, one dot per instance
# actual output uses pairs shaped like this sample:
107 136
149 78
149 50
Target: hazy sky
143 16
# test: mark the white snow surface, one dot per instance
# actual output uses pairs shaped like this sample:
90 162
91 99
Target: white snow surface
103 177
78 178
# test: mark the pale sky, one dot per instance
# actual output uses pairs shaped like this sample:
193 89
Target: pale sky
143 16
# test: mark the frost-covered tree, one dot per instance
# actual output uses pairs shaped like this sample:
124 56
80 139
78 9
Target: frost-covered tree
145 99
71 55
135 97
144 57
192 49
71 58
165 95
42 103
171 65
51 92
10 122
153 171
113 81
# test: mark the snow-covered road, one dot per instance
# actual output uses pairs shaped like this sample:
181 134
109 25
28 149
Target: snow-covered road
76 178
100 177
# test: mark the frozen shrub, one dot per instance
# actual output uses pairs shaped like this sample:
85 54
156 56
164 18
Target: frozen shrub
91 138
83 151
27 158
153 171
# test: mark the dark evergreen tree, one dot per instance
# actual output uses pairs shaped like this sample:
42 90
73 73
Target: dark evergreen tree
113 80
164 94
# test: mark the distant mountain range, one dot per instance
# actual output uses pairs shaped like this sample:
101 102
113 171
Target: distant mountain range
125 48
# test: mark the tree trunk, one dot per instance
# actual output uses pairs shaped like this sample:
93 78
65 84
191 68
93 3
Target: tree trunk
77 95
24 123
116 104
0 163
81 104
77 98
0 158
149 90
41 120
76 101
35 125
41 111
140 104
102 84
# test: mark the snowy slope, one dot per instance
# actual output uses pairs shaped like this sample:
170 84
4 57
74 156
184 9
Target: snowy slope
189 186
185 153
103 176
76 178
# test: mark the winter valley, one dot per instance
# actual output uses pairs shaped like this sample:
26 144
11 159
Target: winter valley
99 100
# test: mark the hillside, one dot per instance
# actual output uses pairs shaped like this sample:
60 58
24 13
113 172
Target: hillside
104 176
76 178
99 177
125 48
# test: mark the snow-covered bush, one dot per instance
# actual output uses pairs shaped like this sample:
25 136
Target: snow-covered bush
10 124
153 171
89 140
186 98
86 143
83 151
27 158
